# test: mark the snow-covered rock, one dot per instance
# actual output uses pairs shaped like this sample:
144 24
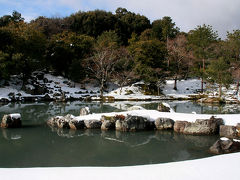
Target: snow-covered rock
84 111
225 145
164 123
11 121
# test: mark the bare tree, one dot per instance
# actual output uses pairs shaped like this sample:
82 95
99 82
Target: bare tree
101 65
124 73
179 58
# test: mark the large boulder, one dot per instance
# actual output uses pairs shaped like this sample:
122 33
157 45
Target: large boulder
238 129
213 124
228 131
134 123
164 123
225 145
11 121
53 121
204 126
108 123
60 121
75 124
63 122
84 111
199 127
93 124
179 126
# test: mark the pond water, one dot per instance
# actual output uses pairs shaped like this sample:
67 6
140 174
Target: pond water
37 145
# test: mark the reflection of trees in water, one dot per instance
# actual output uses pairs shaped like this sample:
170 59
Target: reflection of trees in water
63 147
160 143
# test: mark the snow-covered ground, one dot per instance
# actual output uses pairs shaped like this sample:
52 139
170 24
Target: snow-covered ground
220 167
58 86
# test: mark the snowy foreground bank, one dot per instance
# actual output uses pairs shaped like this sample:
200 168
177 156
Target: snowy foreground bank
218 167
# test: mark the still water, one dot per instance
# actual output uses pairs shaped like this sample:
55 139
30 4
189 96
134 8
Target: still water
37 145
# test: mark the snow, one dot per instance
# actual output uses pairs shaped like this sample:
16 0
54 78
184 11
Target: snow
152 115
218 167
226 139
136 108
58 86
167 105
184 87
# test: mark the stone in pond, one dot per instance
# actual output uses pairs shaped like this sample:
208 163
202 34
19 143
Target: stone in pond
164 123
228 131
93 124
11 121
179 126
84 111
225 145
134 123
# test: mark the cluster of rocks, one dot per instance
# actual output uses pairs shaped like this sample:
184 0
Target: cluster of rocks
230 143
118 122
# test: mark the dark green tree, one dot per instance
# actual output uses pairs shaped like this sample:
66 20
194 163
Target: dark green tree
15 17
128 23
164 28
66 50
25 46
149 57
218 71
201 41
92 23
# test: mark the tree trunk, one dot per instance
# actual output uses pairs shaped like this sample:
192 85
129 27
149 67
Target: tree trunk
121 89
220 90
175 84
237 88
202 85
168 60
101 89
203 70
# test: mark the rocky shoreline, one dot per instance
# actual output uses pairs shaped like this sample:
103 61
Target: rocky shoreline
130 122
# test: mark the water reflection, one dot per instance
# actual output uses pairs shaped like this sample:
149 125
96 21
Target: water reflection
10 135
37 145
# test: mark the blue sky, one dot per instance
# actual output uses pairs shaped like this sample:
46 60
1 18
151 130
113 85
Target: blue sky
223 15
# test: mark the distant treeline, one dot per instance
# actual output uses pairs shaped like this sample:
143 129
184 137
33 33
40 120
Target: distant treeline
122 47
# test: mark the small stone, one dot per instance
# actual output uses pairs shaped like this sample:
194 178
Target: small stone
84 111
163 108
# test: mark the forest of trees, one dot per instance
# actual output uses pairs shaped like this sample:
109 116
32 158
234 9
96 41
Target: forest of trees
122 47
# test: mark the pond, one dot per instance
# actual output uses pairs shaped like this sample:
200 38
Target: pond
37 145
